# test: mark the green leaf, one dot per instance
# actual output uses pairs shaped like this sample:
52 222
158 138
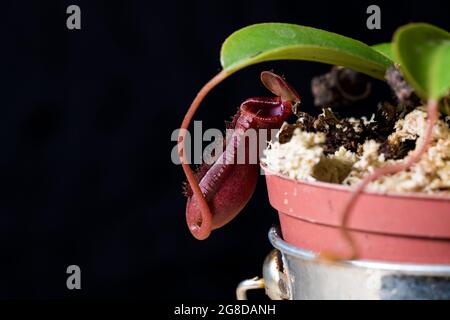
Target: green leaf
386 49
281 41
423 52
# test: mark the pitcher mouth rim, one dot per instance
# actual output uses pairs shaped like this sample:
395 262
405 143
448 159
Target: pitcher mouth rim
343 188
418 268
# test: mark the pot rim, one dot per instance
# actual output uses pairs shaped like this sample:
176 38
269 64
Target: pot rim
286 248
340 187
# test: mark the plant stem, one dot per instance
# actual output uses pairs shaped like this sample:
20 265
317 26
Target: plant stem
203 227
432 109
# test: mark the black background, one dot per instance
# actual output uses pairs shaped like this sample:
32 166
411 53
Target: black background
86 176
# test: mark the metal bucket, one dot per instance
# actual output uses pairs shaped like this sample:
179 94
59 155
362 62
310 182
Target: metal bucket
291 273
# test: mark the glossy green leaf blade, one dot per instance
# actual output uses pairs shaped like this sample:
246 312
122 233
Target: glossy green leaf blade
386 49
423 52
281 41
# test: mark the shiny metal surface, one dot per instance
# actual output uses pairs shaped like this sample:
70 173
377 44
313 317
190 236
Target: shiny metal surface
274 276
292 273
250 284
309 278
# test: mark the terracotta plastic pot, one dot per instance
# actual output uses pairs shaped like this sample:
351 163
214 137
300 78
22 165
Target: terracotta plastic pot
386 227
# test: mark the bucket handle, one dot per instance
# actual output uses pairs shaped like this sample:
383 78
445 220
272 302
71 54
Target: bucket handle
249 284
274 279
